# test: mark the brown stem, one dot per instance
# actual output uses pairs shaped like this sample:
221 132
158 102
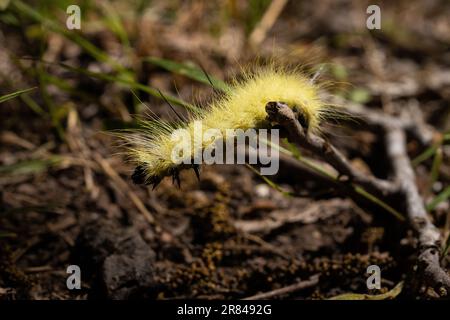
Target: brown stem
280 113
428 234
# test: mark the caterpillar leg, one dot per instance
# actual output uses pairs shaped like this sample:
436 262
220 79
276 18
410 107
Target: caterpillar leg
138 175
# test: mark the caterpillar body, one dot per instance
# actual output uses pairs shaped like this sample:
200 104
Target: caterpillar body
242 106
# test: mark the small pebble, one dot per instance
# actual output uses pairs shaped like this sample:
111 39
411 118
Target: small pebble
262 190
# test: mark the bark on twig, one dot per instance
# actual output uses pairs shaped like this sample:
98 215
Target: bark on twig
428 235
413 124
283 115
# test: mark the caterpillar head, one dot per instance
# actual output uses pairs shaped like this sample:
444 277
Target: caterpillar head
302 117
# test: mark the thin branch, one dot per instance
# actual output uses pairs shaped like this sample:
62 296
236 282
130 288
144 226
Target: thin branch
428 234
283 115
414 124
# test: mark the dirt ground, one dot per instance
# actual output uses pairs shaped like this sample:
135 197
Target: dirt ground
66 194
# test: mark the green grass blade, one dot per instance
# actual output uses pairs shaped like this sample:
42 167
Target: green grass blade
132 84
29 166
6 234
313 165
443 196
384 296
189 71
435 168
90 48
446 248
114 23
269 182
13 95
379 202
430 151
33 105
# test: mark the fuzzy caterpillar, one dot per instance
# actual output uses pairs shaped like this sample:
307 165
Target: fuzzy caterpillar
240 107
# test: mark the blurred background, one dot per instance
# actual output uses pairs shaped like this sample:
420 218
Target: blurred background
66 196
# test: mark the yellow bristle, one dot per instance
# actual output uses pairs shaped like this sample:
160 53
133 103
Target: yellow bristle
240 107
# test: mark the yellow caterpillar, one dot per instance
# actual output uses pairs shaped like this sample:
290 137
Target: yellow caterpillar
240 107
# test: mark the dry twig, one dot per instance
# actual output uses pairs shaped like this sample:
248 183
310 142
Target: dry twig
268 20
414 124
280 113
404 184
428 234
